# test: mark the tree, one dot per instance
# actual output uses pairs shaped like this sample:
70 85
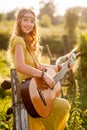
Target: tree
45 21
2 16
10 15
84 15
71 21
48 9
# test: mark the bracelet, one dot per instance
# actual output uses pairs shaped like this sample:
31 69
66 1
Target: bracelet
42 75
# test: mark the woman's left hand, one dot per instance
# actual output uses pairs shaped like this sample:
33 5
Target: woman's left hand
70 66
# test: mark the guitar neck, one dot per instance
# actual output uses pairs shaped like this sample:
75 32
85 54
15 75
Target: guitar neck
65 67
62 72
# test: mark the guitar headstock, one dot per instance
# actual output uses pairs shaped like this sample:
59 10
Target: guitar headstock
73 57
73 54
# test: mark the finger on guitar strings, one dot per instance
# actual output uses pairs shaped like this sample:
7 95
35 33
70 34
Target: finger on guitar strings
44 84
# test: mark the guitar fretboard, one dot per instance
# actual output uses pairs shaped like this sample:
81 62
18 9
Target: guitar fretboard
62 72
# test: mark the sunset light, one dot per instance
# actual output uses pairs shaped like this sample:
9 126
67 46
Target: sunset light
61 5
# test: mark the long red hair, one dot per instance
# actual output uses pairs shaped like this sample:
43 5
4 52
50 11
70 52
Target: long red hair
33 36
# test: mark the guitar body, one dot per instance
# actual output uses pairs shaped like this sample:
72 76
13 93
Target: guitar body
49 95
37 99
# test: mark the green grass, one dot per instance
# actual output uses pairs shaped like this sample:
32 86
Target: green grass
5 96
53 30
4 66
6 27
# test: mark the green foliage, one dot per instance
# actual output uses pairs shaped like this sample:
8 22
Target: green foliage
84 116
10 15
4 41
71 20
83 26
84 15
7 16
55 44
81 74
45 21
3 93
75 121
52 37
6 121
5 32
4 66
2 16
82 70
48 8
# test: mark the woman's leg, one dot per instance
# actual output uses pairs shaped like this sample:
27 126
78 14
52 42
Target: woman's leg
57 118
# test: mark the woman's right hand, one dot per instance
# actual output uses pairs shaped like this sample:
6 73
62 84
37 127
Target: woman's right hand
49 81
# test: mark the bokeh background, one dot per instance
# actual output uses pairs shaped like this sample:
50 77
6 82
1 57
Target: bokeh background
62 26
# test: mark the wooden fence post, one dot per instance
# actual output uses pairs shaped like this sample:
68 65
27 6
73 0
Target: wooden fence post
65 44
52 60
20 115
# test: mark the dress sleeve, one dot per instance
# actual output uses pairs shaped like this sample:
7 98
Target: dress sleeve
17 40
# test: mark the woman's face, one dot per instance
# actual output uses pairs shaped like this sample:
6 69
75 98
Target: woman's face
27 23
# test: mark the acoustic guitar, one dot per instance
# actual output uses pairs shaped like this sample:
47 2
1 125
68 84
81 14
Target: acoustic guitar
38 99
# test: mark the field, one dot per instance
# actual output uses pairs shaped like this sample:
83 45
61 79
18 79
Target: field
6 96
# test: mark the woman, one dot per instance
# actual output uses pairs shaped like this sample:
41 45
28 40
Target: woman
25 57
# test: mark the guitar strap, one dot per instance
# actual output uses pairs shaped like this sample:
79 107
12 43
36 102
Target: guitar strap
33 60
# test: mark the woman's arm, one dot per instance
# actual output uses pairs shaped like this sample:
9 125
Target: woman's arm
22 67
45 66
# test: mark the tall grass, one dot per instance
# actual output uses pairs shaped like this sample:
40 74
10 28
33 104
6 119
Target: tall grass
6 27
5 96
4 65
